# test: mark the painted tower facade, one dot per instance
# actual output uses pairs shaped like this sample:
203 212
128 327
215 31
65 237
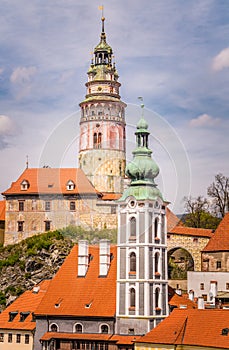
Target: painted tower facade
142 282
102 149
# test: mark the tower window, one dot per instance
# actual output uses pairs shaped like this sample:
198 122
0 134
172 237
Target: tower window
218 264
156 228
156 261
54 327
133 227
47 206
97 140
132 297
132 262
157 293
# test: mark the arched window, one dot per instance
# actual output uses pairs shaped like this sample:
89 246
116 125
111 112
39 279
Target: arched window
157 292
97 140
132 297
78 328
156 262
133 227
104 328
53 327
132 262
156 228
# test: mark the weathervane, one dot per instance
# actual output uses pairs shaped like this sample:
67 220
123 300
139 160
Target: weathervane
142 104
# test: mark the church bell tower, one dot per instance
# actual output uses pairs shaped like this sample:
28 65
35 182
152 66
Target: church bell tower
142 282
102 149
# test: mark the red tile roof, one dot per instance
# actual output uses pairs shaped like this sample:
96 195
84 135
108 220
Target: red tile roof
52 181
2 210
110 196
172 219
192 231
191 327
27 302
220 240
73 293
118 339
180 301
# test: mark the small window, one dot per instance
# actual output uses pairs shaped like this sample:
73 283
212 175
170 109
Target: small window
47 206
113 210
10 337
70 185
21 205
132 227
218 264
131 331
201 286
104 329
133 262
78 328
23 316
20 226
132 298
26 338
24 185
227 286
47 225
54 328
12 315
73 205
18 338
157 294
34 204
1 337
195 240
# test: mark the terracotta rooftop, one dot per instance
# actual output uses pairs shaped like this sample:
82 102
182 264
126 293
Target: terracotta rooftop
192 231
182 302
26 303
2 210
191 327
110 196
82 296
220 240
51 181
172 219
118 339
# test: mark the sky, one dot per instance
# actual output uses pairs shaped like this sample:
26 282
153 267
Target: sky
173 53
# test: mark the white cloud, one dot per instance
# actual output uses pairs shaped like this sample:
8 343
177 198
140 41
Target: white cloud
23 75
203 120
7 126
221 61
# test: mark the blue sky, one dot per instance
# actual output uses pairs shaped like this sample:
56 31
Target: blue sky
174 53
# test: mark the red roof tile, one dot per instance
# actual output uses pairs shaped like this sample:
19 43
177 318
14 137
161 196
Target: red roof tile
110 196
191 327
52 181
27 302
192 231
118 339
73 293
172 219
180 301
220 239
2 210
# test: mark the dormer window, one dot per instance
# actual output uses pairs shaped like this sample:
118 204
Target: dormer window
12 315
24 185
70 185
23 316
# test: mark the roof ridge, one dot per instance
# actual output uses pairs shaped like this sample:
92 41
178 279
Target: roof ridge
182 332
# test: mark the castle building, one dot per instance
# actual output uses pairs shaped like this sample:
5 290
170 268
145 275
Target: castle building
102 149
44 199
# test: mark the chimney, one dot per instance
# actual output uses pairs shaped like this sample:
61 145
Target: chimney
82 257
213 291
104 257
201 303
191 294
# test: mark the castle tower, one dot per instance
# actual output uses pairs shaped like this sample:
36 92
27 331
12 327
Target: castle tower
102 151
142 285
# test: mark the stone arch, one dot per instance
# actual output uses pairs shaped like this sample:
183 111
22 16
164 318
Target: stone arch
180 260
